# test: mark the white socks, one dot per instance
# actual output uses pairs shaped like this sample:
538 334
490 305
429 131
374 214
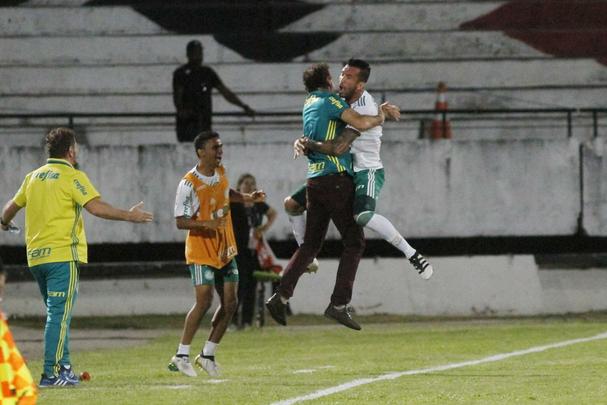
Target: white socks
183 350
298 223
209 348
386 230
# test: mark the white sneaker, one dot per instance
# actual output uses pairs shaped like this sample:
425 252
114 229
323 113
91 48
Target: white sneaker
313 267
207 365
183 365
422 265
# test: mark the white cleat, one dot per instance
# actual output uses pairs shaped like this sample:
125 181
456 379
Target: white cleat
422 266
183 365
313 267
208 364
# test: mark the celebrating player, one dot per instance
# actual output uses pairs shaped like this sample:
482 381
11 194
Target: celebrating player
202 206
368 167
330 193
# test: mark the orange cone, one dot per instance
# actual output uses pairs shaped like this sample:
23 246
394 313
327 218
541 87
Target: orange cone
441 128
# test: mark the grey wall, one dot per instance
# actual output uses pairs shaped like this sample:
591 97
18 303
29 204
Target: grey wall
468 286
433 189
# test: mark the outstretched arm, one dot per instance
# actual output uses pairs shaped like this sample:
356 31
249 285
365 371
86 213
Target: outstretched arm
233 98
255 196
102 209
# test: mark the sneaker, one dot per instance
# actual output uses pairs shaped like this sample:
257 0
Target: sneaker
182 364
208 364
67 372
55 381
277 309
342 316
313 267
421 264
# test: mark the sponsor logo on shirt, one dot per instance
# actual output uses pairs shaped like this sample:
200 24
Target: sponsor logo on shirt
316 167
80 187
49 174
59 294
336 102
38 253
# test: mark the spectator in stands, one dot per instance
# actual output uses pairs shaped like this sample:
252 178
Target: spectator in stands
16 383
193 84
249 226
53 197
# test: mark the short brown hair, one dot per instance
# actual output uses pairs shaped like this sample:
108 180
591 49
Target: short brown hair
315 77
58 142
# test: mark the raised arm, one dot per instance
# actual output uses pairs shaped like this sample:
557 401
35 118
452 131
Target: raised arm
365 122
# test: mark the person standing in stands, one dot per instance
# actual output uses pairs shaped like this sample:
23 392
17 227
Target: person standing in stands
193 84
53 197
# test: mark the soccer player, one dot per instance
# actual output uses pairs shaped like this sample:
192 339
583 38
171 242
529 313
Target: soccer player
16 384
368 168
53 197
330 194
202 206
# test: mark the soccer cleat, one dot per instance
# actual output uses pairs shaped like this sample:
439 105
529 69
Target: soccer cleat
313 267
421 264
208 364
66 371
182 364
342 316
277 309
56 382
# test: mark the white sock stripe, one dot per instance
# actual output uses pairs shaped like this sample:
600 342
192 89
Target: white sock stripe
392 376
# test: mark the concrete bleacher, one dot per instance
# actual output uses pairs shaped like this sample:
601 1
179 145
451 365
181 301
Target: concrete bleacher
62 55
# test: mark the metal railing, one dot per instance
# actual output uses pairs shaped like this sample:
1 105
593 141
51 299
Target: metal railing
71 119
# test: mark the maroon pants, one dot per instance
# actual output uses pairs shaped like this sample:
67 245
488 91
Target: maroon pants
328 198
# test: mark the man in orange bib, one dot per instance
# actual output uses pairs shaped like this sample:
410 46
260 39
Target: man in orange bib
202 206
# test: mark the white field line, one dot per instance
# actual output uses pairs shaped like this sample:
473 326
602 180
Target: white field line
311 370
392 376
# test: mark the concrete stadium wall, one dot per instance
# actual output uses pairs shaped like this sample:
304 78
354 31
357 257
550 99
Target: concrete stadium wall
60 55
461 286
433 189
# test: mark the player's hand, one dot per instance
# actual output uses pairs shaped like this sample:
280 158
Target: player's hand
258 196
300 147
391 111
215 224
138 215
258 232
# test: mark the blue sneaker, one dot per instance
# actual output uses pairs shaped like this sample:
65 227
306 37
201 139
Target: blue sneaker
67 372
55 381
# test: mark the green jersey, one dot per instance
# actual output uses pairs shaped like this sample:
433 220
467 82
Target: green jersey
322 122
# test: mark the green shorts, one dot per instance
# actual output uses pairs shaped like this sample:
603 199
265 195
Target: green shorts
300 196
207 275
367 185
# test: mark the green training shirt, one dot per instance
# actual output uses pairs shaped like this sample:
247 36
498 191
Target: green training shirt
322 122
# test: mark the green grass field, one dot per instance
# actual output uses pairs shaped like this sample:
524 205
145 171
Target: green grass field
262 366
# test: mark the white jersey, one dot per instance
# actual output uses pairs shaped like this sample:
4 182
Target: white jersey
365 149
186 199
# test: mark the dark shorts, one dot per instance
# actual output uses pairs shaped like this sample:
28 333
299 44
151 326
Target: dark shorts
299 195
